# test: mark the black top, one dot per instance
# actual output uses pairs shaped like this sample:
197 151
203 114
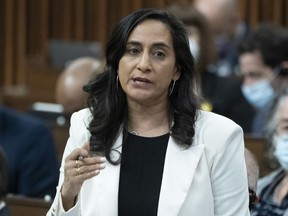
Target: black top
4 211
141 172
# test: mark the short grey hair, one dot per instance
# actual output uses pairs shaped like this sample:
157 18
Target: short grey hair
273 117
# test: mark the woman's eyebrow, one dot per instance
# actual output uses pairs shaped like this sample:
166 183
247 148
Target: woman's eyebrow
156 44
135 43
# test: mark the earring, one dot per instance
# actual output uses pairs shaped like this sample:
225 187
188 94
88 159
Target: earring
117 79
172 87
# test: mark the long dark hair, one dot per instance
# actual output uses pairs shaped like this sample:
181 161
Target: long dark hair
107 100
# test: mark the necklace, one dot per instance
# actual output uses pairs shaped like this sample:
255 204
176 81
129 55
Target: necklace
133 132
136 133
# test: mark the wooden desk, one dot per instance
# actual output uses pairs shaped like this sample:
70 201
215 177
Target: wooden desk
258 146
22 206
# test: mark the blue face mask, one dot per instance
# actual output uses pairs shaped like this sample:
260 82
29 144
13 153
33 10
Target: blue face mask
281 150
258 94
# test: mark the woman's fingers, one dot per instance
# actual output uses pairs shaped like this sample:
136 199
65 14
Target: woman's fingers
80 167
88 164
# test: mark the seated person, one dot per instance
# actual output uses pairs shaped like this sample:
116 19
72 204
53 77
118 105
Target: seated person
69 85
31 156
222 94
263 58
229 29
3 184
273 188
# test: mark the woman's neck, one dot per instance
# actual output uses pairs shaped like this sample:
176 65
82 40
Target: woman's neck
148 121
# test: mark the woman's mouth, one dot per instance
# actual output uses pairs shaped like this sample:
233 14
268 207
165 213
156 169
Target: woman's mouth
141 80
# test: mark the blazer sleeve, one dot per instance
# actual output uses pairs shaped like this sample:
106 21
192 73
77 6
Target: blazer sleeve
228 172
78 135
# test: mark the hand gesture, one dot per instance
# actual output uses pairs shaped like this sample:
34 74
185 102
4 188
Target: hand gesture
78 168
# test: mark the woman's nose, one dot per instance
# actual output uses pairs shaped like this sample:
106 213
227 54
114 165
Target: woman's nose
144 63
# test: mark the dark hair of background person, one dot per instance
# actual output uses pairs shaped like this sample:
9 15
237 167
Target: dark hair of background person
190 16
272 42
3 175
107 100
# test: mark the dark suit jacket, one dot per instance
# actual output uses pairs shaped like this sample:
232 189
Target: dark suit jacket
5 211
225 95
31 155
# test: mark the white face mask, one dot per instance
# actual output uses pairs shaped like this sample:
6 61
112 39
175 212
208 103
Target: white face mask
194 48
281 150
258 94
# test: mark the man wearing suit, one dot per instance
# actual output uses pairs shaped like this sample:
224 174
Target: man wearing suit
223 96
263 58
31 156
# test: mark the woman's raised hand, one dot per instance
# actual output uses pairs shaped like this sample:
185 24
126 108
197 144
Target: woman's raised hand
78 168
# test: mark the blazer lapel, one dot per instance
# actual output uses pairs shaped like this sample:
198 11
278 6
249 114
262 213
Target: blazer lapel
109 181
179 170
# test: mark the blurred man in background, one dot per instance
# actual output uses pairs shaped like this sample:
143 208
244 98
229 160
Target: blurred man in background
228 30
69 85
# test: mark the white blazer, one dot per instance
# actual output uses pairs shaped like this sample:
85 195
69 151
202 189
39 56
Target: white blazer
207 179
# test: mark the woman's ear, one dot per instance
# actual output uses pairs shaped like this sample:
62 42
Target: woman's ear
177 73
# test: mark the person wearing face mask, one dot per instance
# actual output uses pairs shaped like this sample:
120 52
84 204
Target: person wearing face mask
273 188
222 94
263 58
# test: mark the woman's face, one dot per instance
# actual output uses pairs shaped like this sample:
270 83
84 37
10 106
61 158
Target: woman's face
148 64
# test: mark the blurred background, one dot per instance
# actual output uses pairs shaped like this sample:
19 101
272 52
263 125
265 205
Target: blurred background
38 36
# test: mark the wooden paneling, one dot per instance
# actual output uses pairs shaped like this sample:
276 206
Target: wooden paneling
37 21
26 26
8 50
266 14
277 10
20 41
77 16
254 12
258 147
286 13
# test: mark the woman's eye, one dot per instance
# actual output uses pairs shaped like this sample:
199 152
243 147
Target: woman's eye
283 128
133 51
159 54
